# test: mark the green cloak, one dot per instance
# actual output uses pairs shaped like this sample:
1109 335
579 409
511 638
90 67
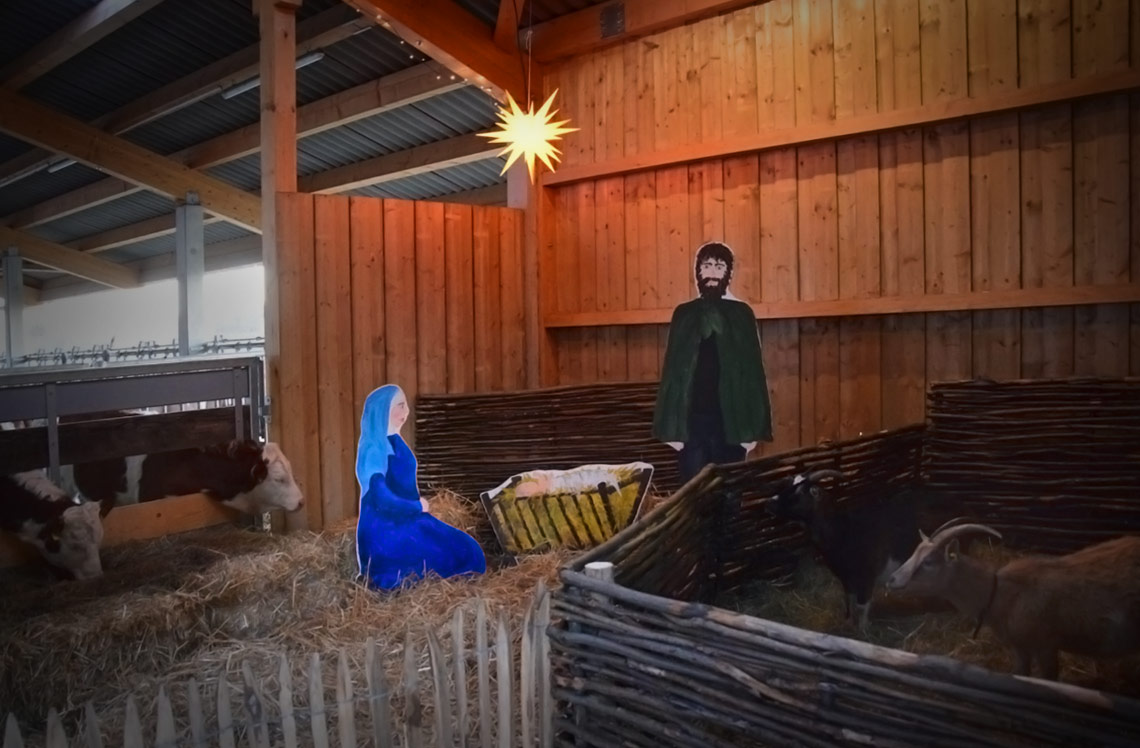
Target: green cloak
743 388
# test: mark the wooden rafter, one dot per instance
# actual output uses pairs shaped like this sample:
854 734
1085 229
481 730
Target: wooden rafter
461 149
27 120
449 34
32 294
86 30
366 100
331 26
507 24
580 32
65 259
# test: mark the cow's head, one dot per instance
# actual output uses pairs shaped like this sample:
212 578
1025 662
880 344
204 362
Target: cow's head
274 486
71 541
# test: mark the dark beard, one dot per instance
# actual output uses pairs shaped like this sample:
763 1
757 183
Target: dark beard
711 288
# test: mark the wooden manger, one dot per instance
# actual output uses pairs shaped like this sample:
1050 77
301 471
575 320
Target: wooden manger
648 659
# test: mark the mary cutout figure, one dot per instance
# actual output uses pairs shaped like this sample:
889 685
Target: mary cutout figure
396 538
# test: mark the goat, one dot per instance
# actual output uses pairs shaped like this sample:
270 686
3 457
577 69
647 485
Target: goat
861 546
1087 602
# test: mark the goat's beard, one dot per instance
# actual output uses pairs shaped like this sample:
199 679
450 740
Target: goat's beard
712 288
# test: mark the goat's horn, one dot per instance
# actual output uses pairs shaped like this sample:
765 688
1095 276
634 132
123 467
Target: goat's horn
948 523
944 536
826 473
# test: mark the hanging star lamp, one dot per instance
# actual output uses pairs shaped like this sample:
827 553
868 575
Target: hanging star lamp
528 134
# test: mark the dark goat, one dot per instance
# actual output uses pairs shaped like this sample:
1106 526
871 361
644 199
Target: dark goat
862 545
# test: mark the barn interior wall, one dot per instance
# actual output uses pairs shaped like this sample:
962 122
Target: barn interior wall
425 295
1048 197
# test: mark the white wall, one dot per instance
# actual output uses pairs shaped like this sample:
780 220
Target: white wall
234 308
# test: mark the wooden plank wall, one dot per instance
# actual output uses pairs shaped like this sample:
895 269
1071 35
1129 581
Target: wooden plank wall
425 295
1047 197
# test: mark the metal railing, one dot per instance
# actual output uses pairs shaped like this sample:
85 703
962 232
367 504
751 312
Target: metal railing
104 354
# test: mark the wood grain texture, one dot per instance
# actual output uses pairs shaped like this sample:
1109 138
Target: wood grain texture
511 289
488 303
459 263
431 297
334 348
400 308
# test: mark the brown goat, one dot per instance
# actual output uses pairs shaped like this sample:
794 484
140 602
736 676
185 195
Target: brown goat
1087 602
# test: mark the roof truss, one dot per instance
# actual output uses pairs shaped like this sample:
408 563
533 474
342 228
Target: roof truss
58 257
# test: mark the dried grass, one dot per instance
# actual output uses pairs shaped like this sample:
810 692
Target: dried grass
199 604
815 601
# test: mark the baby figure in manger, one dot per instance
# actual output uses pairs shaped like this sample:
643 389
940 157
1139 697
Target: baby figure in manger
396 538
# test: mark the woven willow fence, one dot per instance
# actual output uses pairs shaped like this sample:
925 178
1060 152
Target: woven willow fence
472 443
510 705
644 660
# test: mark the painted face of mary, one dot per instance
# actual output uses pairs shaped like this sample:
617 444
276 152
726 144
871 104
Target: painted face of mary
398 413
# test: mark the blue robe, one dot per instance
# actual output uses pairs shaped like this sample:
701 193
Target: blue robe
396 539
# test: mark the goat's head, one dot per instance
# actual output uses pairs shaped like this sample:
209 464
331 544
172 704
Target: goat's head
800 496
930 567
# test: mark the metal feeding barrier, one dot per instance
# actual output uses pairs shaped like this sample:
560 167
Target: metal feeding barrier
103 354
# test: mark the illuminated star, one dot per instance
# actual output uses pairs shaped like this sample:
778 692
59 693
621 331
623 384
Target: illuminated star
528 134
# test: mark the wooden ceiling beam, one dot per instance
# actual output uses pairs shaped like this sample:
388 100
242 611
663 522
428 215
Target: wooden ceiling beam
507 25
32 294
25 119
580 32
451 35
89 28
57 257
366 100
322 30
441 154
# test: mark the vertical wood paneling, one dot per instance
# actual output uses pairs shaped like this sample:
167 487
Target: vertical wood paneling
641 271
857 162
297 415
366 219
459 262
587 254
1134 369
431 296
488 304
742 224
334 348
1045 56
947 188
994 187
400 307
609 217
775 78
1100 160
740 102
566 283
511 293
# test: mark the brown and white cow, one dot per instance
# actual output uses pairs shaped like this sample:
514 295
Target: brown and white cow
66 532
245 475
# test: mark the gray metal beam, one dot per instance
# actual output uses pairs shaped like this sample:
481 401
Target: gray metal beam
13 304
190 262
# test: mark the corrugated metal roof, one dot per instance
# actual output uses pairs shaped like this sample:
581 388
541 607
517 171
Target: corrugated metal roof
121 212
166 43
244 173
441 182
26 23
42 185
160 245
10 147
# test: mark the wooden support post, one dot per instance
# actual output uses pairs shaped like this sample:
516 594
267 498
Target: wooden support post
190 260
277 20
13 304
523 195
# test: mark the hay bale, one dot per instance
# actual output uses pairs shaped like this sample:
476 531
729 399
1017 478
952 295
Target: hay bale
199 604
814 600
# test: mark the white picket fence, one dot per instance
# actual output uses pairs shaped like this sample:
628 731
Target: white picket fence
504 713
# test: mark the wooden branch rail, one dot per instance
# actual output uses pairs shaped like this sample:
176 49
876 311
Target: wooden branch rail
930 113
1021 298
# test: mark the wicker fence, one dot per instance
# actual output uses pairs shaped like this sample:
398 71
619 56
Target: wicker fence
509 703
472 443
642 658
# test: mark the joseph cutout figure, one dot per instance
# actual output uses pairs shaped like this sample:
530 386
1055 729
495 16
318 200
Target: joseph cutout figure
713 403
